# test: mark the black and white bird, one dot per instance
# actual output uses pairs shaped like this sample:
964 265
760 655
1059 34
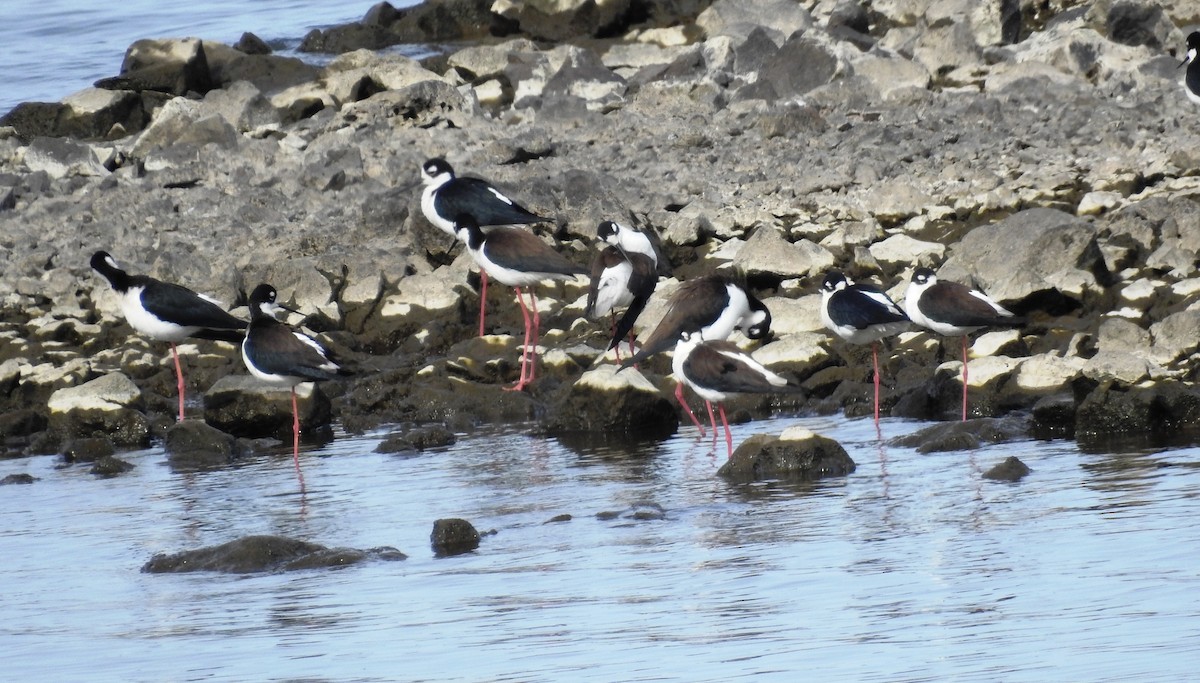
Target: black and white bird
278 355
953 310
168 312
715 369
1191 79
447 196
518 258
712 306
624 275
860 314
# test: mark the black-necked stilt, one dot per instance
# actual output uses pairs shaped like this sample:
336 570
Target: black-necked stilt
624 275
275 353
953 310
168 312
447 196
713 306
860 314
715 369
517 258
1191 80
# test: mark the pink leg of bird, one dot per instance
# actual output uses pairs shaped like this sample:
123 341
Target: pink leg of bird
482 299
964 356
728 436
178 379
686 408
295 431
537 333
875 358
712 420
524 379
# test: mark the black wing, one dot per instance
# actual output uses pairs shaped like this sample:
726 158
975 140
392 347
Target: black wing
483 202
695 304
182 306
274 349
642 282
954 304
859 308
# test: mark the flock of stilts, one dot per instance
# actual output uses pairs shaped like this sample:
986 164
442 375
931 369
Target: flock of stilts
701 314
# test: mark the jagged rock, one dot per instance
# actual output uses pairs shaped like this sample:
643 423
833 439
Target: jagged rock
477 63
357 75
174 66
453 537
1141 23
1012 469
964 436
1117 334
194 445
1046 373
822 64
61 157
252 45
583 75
607 400
899 251
768 252
263 554
1119 366
889 72
269 73
244 406
243 106
1175 336
421 104
1042 253
795 455
184 122
739 18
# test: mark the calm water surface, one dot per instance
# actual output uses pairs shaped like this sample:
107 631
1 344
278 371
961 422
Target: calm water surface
52 48
910 569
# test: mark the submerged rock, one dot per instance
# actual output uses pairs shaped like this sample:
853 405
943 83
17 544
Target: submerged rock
419 439
795 455
244 406
1012 469
193 445
965 436
18 478
453 536
263 554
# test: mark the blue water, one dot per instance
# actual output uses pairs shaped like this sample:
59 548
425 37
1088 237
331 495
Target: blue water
912 568
52 48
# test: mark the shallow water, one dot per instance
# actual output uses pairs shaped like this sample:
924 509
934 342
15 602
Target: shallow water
910 569
52 48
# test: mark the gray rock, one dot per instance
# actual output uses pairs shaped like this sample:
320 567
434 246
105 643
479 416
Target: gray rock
252 45
88 449
821 65
253 554
768 252
1134 22
1175 336
795 455
453 536
109 466
18 478
243 106
62 157
1035 252
559 20
112 392
740 18
419 439
1111 408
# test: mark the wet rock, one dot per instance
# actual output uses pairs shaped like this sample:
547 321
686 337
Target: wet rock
1054 417
420 439
1111 408
1012 469
243 406
193 445
175 66
795 455
252 45
101 407
88 449
964 436
264 554
18 478
22 422
109 466
453 536
556 519
607 400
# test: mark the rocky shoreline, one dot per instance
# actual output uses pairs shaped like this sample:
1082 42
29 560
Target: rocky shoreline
1049 157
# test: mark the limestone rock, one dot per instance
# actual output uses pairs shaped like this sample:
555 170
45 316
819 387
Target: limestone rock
738 18
964 436
174 66
111 392
768 252
795 455
61 157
